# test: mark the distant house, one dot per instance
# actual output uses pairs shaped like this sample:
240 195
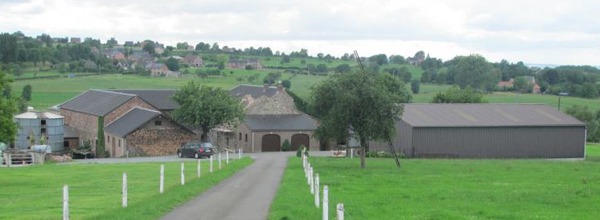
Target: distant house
242 64
75 40
509 85
487 131
193 60
414 60
116 55
157 69
506 85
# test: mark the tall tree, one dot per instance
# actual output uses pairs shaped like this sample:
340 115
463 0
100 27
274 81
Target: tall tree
172 64
26 93
367 104
206 107
8 107
473 71
457 95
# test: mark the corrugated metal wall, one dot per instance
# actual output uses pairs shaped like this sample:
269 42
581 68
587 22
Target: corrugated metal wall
402 140
500 142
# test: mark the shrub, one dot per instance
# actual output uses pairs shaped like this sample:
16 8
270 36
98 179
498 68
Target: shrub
300 149
286 146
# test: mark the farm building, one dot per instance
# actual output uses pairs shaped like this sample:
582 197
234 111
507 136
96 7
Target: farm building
487 131
39 128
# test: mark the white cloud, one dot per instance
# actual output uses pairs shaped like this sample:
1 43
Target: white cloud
551 31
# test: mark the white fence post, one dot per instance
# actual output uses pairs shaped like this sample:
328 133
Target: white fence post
182 174
198 169
312 182
124 191
227 157
240 153
325 202
308 174
211 163
161 187
66 202
317 189
219 160
351 153
340 211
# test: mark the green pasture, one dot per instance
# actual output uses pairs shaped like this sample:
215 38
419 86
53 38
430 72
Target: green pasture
446 189
35 192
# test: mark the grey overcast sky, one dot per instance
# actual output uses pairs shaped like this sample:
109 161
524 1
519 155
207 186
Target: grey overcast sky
533 31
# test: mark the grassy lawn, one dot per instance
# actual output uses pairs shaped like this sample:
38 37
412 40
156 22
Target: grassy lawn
446 189
35 192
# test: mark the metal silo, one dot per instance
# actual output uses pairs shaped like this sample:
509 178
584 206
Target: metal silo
29 126
54 130
37 125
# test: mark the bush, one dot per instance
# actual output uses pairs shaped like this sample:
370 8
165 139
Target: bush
300 149
286 146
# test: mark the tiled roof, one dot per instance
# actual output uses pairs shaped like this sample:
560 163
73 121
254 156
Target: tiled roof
97 102
297 122
255 91
485 115
131 121
159 98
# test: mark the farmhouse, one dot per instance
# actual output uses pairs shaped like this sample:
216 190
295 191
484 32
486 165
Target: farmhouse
271 118
487 131
82 113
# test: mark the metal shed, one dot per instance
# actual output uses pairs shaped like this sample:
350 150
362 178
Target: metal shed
36 125
488 131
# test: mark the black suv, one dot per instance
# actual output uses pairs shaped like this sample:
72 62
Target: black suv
196 149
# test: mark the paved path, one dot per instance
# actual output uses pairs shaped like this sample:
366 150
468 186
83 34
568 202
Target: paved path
246 195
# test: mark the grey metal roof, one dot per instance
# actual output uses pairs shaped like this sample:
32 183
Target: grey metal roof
159 98
298 122
131 121
485 115
97 102
255 91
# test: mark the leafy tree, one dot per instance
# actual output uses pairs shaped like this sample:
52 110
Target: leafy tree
415 85
591 119
206 107
149 47
300 103
397 59
367 104
521 84
172 64
321 68
380 59
26 93
8 48
457 95
473 71
286 83
285 59
8 128
100 148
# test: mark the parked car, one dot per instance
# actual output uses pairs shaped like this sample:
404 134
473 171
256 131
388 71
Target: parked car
196 149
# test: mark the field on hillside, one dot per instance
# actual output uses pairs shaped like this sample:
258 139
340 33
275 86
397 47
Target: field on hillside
446 189
35 192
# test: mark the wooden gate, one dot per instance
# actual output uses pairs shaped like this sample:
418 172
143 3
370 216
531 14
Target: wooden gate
300 139
271 142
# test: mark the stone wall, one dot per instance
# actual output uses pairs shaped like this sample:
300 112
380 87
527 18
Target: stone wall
85 124
125 107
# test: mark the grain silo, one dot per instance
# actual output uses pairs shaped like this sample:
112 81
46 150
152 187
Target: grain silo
40 128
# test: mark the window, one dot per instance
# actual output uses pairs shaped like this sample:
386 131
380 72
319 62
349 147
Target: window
227 141
240 136
119 142
158 123
246 137
43 122
43 130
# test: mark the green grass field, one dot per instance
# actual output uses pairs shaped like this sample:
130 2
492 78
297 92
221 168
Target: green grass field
446 189
35 192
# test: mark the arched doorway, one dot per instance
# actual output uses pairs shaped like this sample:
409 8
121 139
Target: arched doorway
300 139
271 142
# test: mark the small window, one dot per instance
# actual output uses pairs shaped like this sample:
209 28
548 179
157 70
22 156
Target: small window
158 123
119 142
227 141
43 130
43 122
246 137
240 136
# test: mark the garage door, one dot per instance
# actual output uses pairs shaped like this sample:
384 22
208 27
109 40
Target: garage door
300 139
271 142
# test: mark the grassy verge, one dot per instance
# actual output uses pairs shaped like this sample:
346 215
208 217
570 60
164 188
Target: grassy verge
35 192
446 189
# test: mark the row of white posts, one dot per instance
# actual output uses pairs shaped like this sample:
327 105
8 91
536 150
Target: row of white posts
313 181
161 186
